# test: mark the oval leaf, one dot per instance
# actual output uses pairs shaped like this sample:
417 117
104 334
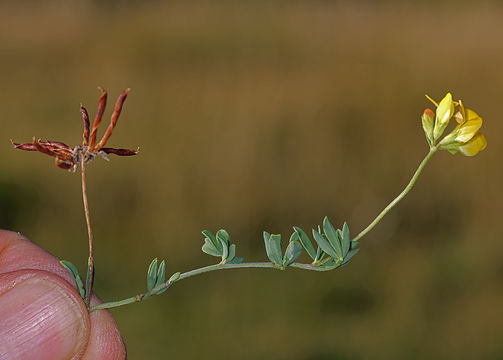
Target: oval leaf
75 274
161 274
346 239
292 252
306 243
324 244
152 275
332 237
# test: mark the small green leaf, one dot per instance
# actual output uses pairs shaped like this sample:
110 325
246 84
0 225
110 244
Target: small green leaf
354 244
332 237
210 249
232 253
212 239
222 235
306 243
267 243
171 280
346 239
75 274
293 250
236 260
152 275
349 256
175 277
225 248
273 248
324 244
161 274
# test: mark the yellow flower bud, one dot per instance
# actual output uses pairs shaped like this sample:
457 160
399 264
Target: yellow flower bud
427 120
445 110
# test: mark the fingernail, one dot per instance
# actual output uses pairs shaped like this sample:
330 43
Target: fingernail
39 320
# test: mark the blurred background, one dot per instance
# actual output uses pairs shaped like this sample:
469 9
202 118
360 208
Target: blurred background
257 116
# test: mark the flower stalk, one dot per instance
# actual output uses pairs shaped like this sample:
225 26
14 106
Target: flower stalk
90 262
400 196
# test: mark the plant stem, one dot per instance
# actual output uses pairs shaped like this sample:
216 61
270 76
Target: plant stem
405 191
267 265
167 284
90 264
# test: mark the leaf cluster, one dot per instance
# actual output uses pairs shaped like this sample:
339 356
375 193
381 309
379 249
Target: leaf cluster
219 245
156 278
334 247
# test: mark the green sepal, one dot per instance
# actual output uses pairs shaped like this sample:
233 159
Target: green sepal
306 243
273 248
293 250
75 274
332 237
152 275
324 244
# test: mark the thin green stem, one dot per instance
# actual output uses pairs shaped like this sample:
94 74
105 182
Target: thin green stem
167 284
405 191
268 265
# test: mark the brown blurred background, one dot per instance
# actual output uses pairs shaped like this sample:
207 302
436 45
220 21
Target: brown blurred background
258 116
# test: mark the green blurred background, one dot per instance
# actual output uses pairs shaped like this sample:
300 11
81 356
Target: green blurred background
258 116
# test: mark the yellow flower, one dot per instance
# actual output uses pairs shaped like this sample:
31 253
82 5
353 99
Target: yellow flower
465 137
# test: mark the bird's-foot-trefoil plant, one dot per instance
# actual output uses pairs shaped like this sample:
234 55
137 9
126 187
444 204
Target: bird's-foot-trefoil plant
332 249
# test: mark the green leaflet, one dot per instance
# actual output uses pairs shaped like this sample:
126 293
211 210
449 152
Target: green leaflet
75 274
306 243
219 246
324 244
332 236
293 250
273 248
152 275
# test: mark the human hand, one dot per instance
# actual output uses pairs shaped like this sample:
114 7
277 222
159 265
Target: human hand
42 316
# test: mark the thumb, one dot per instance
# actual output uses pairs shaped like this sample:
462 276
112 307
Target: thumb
41 317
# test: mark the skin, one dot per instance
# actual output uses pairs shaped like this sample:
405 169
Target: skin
42 316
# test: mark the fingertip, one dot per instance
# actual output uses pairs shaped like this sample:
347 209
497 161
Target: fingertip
105 341
42 317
